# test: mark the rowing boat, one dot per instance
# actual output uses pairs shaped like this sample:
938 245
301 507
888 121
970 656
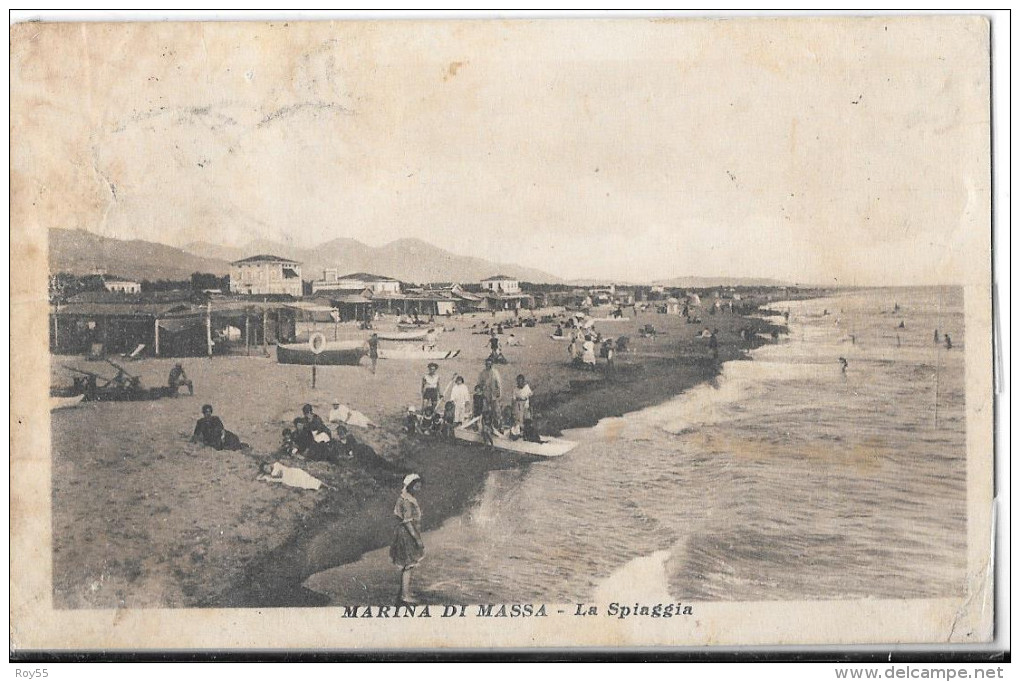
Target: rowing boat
60 402
416 354
333 353
549 447
610 319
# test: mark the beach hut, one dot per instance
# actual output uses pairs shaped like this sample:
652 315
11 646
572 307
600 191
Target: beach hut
115 322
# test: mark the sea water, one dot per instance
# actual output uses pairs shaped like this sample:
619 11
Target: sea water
785 478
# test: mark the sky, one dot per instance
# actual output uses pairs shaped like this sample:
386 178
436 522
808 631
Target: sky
831 151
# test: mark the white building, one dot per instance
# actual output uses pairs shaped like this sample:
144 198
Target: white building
356 281
501 284
123 286
265 274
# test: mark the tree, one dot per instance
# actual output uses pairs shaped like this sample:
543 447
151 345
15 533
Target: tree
200 281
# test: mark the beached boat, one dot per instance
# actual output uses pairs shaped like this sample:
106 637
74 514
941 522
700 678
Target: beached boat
410 327
415 335
60 402
333 353
549 447
610 319
416 354
558 338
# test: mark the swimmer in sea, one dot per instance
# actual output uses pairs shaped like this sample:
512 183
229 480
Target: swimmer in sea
843 364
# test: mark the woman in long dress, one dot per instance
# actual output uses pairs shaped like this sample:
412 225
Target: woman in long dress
458 393
407 549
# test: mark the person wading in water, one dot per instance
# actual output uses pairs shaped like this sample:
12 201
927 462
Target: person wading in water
408 548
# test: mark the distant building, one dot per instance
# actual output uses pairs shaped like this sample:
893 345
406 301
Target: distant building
355 282
265 274
122 286
501 284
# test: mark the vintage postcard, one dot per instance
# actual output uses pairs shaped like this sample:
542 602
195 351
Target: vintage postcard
501 334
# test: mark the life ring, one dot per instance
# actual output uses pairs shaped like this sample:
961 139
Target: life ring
317 342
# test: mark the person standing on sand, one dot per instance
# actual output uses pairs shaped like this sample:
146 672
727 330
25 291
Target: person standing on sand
522 403
494 344
430 387
457 392
713 344
609 352
478 402
373 350
408 548
588 353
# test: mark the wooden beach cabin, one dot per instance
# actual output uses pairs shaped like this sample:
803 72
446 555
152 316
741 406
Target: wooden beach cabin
172 324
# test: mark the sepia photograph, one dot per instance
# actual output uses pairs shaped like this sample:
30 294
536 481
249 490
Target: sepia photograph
501 334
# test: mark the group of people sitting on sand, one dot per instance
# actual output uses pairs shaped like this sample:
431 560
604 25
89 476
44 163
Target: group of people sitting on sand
484 327
480 409
313 439
310 438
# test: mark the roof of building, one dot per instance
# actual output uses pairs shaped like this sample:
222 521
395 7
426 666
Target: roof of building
309 306
368 277
350 298
468 296
321 285
265 258
496 278
125 309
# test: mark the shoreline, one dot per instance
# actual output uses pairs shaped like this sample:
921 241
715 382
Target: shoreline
144 519
341 538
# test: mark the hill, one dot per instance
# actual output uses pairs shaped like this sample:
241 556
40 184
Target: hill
81 253
409 260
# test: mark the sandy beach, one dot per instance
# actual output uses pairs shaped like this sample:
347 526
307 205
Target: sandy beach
142 518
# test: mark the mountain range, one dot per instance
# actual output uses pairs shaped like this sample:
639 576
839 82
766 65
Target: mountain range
409 260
